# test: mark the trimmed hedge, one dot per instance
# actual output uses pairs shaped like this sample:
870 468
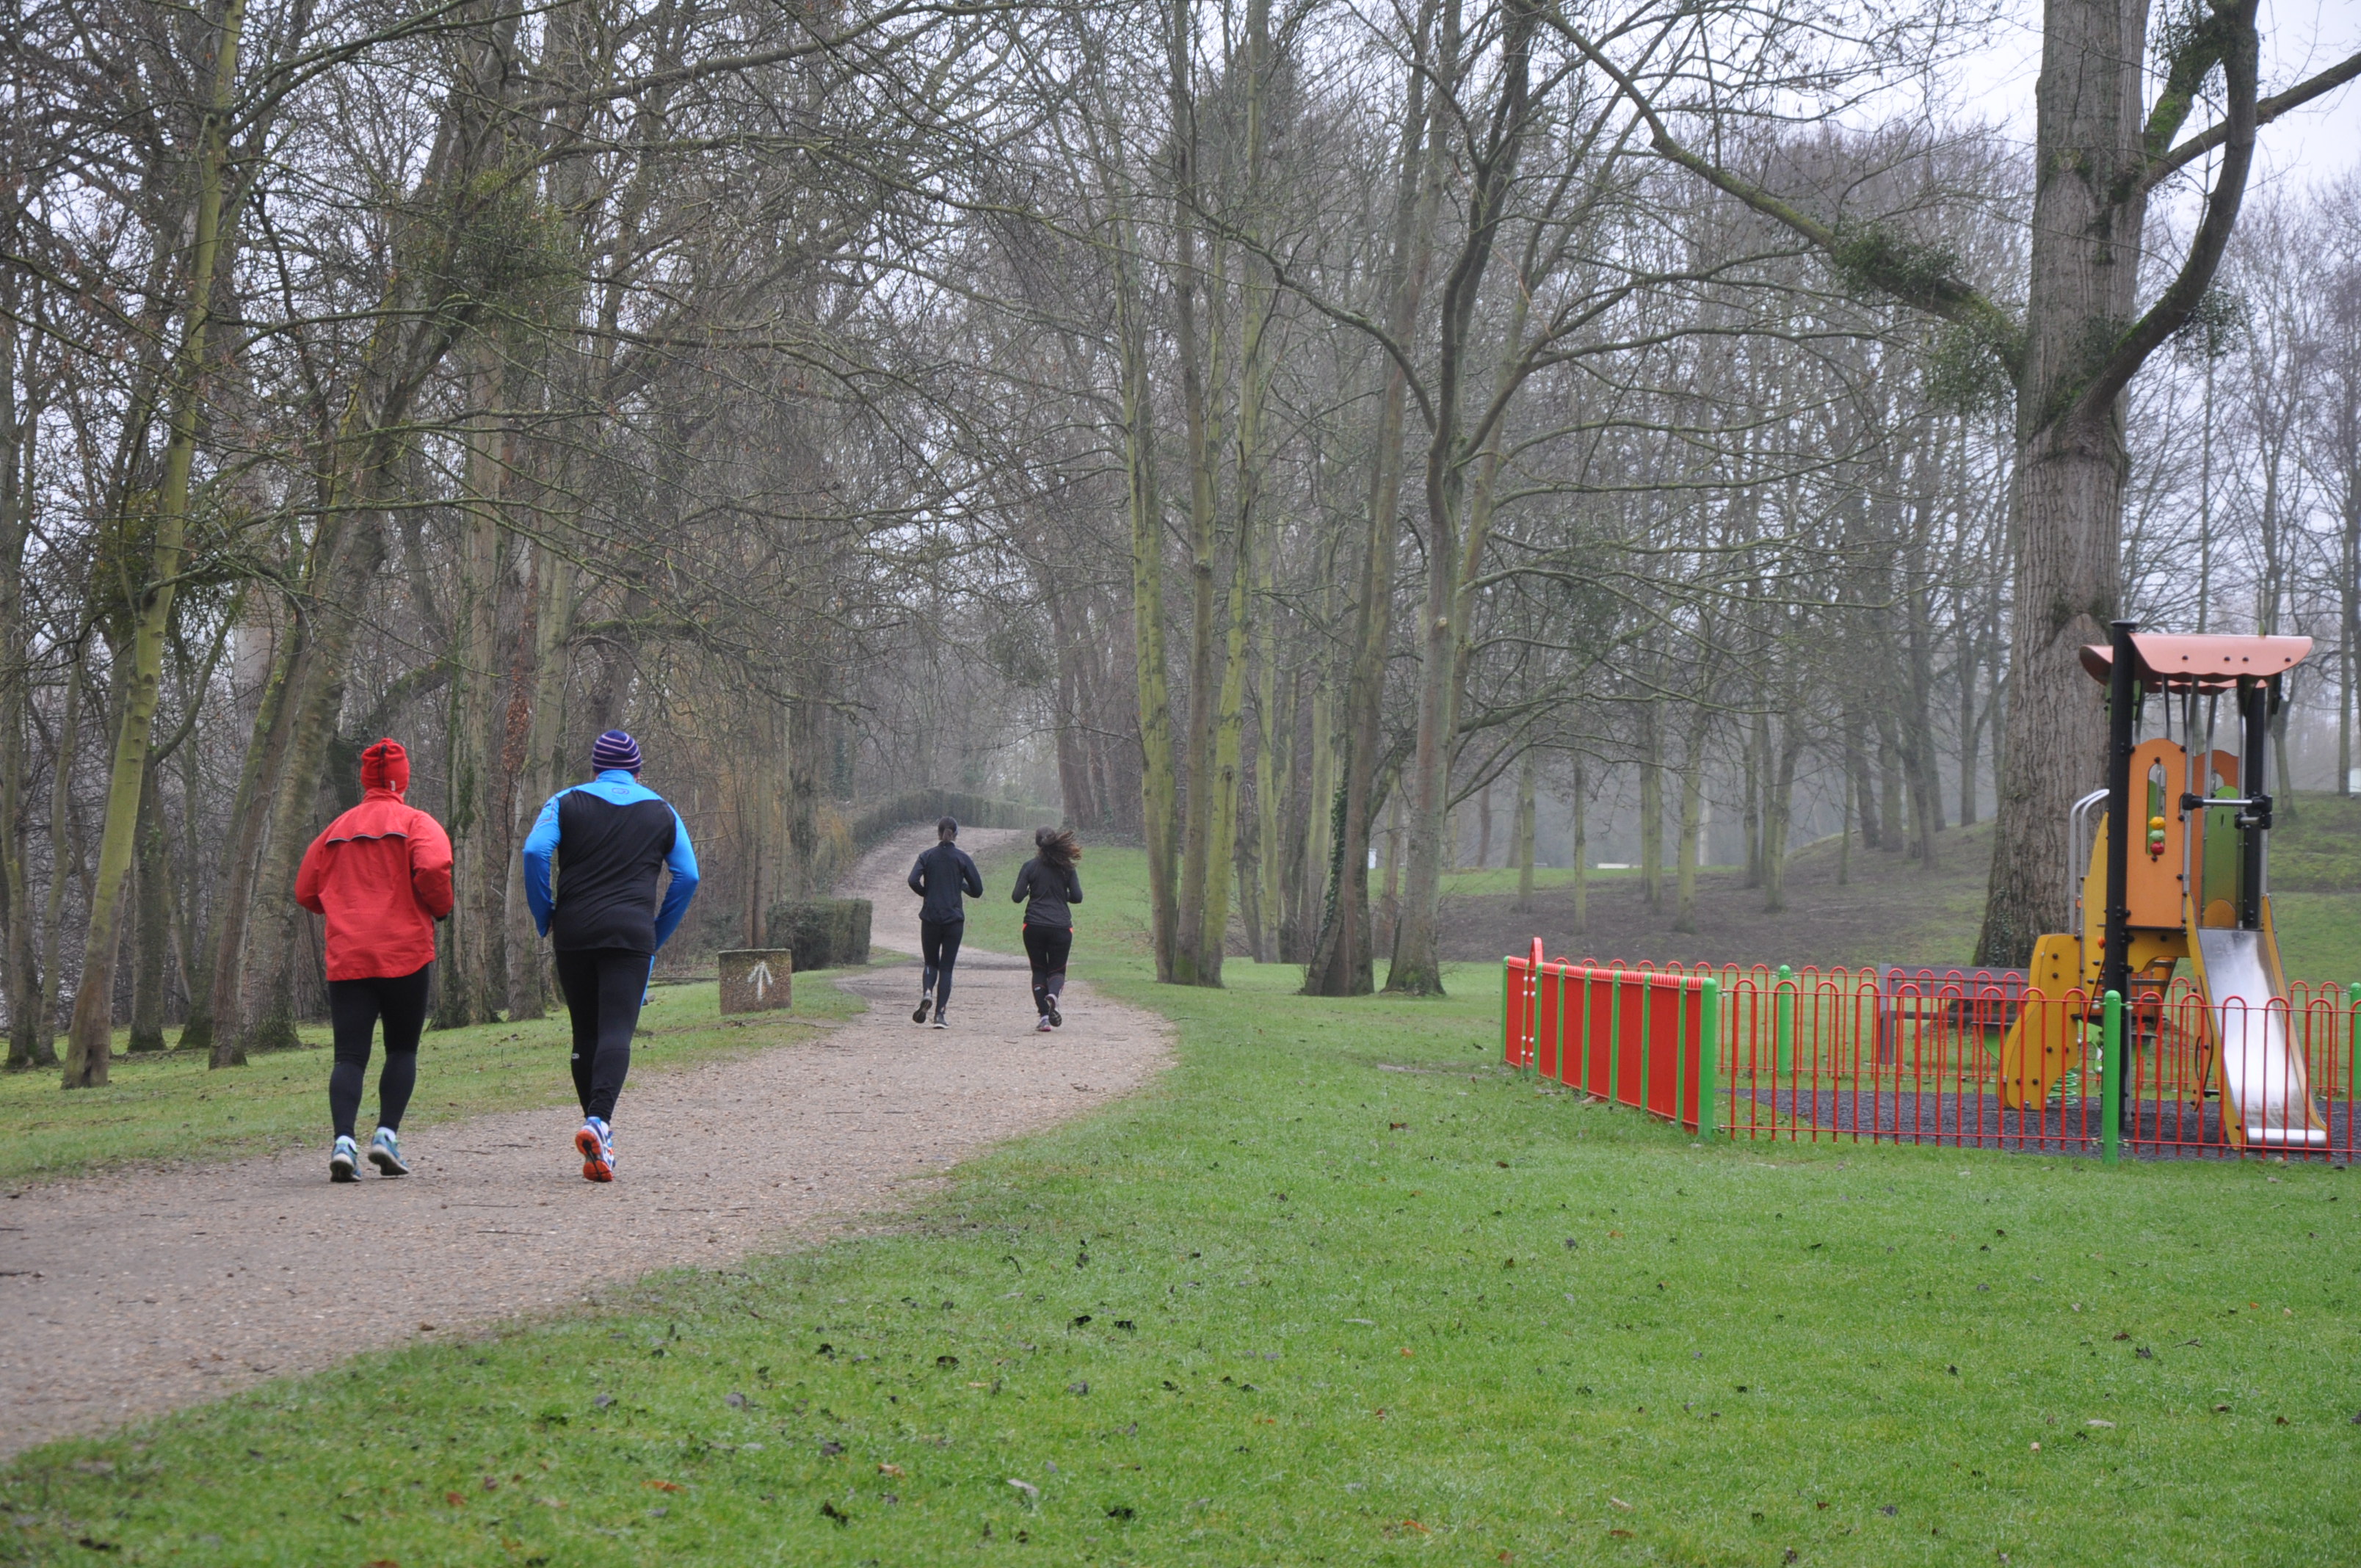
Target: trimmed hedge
823 933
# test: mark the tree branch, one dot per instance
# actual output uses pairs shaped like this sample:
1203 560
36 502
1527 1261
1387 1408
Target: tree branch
1873 256
2240 47
2265 111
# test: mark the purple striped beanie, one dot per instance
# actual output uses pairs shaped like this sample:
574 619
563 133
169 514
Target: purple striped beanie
615 750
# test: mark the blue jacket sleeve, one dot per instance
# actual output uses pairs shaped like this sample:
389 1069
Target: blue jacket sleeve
682 863
969 878
919 876
539 845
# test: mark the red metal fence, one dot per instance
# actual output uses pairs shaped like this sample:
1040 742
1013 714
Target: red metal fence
1965 1058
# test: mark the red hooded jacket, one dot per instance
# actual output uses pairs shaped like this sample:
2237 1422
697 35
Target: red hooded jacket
381 873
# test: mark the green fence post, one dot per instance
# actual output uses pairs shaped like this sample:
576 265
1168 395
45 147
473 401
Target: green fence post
1647 1007
1710 1062
1581 1078
2110 1053
2351 1057
1614 1035
1783 1014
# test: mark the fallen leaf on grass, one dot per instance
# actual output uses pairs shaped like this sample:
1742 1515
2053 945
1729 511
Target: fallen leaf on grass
889 1470
2096 1421
665 1487
1032 1493
1620 1504
456 1499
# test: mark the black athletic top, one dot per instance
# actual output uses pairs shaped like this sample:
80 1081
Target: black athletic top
1051 889
939 876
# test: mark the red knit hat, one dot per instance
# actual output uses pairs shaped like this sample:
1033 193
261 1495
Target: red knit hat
386 766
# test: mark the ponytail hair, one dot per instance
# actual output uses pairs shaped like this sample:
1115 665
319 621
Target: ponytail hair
1057 847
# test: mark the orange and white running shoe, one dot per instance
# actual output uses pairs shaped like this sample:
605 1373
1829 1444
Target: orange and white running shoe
595 1143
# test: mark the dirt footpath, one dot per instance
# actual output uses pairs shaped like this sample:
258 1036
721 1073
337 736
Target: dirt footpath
132 1294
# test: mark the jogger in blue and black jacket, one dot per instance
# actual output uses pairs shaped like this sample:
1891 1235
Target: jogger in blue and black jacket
609 838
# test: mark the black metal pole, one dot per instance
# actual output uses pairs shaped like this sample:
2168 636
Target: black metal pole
2114 968
2123 684
2254 821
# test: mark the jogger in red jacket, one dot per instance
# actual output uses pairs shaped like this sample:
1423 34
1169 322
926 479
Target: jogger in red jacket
382 875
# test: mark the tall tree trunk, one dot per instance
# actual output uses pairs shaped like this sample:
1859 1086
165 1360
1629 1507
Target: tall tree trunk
1458 514
1651 805
1758 752
61 844
1685 856
469 987
28 1037
537 777
1778 814
1522 833
1581 847
1158 792
1342 958
217 1013
90 1041
151 931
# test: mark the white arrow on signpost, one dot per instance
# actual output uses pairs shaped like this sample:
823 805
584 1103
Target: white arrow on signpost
759 977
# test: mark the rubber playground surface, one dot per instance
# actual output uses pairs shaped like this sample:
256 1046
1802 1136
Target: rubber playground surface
1966 1120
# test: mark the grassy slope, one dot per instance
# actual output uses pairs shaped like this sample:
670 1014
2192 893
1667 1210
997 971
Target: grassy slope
1337 1290
1888 911
168 1107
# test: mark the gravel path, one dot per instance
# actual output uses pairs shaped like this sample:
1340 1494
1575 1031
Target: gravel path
128 1295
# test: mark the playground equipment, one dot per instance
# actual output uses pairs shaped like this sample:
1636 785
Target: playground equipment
2161 1023
2192 886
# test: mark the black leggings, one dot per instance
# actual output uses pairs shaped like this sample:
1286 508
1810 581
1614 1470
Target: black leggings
938 944
1048 946
603 987
354 1008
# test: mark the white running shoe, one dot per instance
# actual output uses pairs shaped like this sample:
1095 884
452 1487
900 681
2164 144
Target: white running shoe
1044 1026
1057 1019
595 1143
344 1160
925 1002
385 1152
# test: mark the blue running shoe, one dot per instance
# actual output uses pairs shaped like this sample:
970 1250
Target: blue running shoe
595 1143
385 1152
344 1160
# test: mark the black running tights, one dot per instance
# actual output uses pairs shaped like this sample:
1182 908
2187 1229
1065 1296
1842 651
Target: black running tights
603 987
353 1008
938 944
1048 946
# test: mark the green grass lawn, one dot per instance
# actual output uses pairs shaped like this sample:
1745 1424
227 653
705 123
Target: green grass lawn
168 1107
1337 1289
